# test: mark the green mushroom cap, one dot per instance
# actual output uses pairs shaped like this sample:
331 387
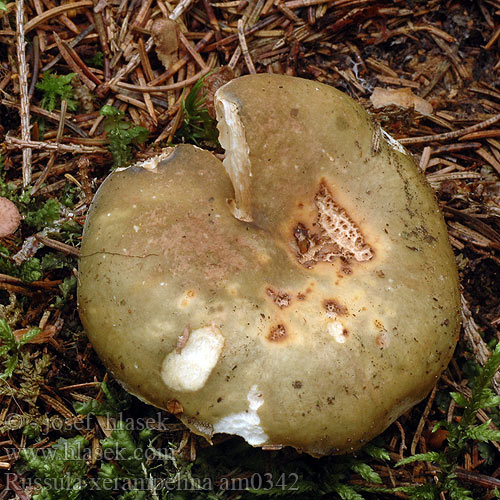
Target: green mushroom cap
301 293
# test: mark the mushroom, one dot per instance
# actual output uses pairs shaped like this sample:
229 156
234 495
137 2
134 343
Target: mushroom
10 217
302 294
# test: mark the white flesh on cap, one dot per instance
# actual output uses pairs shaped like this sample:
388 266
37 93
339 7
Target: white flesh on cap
188 369
237 160
336 330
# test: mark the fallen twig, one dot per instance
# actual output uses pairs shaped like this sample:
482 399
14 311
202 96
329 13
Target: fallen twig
50 146
23 90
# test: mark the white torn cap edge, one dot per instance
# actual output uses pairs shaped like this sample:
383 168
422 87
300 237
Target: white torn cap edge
246 423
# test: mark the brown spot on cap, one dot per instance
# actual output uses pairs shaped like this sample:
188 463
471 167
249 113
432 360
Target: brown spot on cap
9 217
334 235
297 384
277 334
280 298
382 340
346 268
334 308
302 238
182 339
